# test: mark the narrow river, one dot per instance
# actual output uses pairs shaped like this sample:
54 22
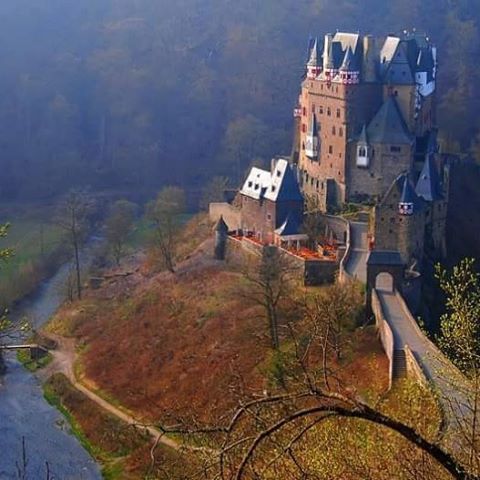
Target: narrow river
24 413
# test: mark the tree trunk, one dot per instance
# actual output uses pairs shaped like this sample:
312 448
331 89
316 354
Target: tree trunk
77 267
272 315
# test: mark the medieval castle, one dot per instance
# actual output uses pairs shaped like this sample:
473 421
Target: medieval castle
365 133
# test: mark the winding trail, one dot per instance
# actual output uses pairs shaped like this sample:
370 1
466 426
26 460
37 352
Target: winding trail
64 357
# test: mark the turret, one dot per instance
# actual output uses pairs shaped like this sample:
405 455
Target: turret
312 141
408 198
314 66
369 59
349 71
327 52
221 236
363 149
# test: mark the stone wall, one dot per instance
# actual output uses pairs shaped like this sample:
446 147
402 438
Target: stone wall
311 272
231 215
384 168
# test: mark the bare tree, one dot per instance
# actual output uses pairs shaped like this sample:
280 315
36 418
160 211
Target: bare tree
269 282
119 225
72 216
164 213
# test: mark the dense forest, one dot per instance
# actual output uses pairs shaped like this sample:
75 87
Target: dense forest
130 93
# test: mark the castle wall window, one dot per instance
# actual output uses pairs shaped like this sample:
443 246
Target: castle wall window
329 112
313 108
334 131
338 113
340 132
304 128
330 149
320 110
395 149
304 111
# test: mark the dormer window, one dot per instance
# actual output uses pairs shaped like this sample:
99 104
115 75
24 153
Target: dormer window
363 156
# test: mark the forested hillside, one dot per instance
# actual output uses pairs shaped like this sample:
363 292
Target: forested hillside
122 93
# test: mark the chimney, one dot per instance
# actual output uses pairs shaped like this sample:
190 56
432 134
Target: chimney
369 59
326 50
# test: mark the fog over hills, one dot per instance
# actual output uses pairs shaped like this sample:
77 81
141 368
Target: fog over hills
125 94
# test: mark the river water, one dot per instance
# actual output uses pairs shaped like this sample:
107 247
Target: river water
24 413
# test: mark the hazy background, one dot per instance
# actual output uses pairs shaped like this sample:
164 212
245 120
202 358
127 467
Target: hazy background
138 93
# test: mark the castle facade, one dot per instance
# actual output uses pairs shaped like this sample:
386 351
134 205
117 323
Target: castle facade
366 114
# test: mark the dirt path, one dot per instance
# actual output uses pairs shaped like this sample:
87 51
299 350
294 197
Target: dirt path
64 357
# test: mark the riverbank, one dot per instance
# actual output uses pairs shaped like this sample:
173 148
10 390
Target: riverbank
26 415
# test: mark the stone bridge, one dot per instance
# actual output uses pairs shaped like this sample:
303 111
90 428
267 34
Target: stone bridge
36 351
411 353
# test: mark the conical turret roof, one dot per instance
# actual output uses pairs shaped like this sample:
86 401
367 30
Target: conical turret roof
349 63
221 227
315 55
408 193
428 185
363 138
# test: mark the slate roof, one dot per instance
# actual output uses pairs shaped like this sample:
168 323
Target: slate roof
399 71
428 184
363 138
278 185
256 183
349 63
406 194
283 184
291 226
388 125
385 257
221 227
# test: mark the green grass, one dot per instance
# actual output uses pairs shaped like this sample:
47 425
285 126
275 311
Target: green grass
38 248
23 356
54 399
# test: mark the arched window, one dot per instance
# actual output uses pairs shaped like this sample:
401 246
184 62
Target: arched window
362 152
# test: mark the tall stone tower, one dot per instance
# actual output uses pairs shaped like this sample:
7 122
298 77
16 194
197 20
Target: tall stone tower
365 112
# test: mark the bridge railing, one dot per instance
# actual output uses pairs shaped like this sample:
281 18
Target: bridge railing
385 332
344 276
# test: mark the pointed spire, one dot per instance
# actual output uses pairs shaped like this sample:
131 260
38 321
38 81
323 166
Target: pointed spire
348 64
221 227
314 60
428 185
408 199
363 138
